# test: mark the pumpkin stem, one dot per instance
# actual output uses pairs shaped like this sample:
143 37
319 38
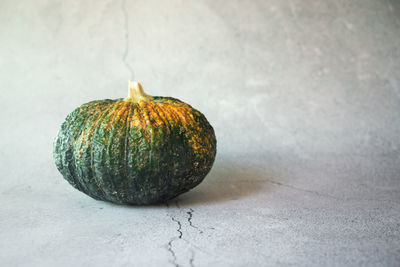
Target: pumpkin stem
136 93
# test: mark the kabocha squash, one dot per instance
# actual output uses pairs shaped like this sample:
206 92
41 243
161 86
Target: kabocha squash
137 150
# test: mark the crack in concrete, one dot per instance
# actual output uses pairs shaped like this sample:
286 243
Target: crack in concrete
303 190
319 194
172 252
179 230
169 246
190 213
126 34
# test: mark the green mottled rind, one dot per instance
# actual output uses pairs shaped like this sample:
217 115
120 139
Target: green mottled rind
130 164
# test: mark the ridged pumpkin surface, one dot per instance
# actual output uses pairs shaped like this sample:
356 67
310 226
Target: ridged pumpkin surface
135 153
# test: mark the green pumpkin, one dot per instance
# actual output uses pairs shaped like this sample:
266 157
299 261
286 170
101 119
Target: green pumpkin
137 150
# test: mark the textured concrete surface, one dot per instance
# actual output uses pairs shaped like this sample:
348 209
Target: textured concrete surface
305 100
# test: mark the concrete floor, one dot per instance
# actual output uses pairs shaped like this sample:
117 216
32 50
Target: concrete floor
304 97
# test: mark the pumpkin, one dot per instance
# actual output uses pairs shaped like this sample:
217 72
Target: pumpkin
137 150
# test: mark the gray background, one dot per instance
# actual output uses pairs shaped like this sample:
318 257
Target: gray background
304 97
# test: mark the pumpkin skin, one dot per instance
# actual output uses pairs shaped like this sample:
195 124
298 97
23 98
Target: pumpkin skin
135 153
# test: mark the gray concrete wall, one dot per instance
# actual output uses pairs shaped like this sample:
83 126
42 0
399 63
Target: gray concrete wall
304 97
